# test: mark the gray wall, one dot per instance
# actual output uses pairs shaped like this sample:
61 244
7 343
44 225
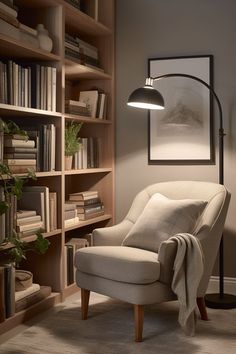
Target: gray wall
166 28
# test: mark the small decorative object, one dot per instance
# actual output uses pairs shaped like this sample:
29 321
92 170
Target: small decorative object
23 280
45 42
72 142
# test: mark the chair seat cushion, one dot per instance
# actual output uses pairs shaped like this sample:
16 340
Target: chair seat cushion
119 263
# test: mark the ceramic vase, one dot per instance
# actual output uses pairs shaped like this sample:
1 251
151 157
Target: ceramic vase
45 42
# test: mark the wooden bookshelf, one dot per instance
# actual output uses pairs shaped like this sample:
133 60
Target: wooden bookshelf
60 17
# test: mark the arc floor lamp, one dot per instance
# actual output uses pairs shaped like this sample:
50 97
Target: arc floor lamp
148 97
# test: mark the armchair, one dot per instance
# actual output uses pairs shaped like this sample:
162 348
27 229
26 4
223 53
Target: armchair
143 276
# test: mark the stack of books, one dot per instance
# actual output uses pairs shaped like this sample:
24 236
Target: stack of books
76 107
83 52
96 103
30 296
70 215
19 153
88 204
8 19
43 202
28 222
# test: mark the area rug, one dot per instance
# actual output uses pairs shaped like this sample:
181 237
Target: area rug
110 330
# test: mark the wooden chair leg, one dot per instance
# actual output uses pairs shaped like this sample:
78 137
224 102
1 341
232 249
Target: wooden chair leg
138 318
84 303
202 308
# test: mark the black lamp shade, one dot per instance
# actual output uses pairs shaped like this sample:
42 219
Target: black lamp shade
146 97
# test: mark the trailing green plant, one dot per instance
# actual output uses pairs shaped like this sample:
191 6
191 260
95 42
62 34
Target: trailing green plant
12 185
72 141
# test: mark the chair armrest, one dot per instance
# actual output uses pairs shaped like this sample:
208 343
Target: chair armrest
111 236
166 257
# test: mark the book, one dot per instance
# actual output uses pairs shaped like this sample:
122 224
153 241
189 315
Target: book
9 286
70 214
20 150
8 9
28 220
85 202
75 103
9 18
21 214
30 290
30 226
2 294
28 29
76 198
19 156
33 298
12 162
8 142
53 210
2 217
69 206
91 215
71 222
90 208
22 168
90 97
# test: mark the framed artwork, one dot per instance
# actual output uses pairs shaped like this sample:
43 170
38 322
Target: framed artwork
182 132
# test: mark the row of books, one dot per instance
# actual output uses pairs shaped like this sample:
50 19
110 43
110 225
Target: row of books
85 53
37 153
32 86
87 203
96 103
88 154
70 248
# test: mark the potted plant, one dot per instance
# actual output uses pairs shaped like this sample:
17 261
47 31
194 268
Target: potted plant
72 142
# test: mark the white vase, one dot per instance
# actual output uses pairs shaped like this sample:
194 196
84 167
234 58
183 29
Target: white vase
45 42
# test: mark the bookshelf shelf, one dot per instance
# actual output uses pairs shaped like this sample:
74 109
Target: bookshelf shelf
31 311
78 20
53 79
74 71
22 50
9 110
87 119
88 171
89 222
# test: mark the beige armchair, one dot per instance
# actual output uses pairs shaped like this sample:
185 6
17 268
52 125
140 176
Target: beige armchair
143 276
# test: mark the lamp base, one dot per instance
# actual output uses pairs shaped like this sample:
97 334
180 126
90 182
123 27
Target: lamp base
215 301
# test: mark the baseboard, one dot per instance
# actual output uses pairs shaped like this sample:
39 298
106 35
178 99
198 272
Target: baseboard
229 285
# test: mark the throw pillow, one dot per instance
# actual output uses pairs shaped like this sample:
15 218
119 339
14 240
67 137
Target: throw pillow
162 218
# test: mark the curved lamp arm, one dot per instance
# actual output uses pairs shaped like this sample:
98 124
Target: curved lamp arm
149 93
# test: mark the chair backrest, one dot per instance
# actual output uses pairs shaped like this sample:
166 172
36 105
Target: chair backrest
211 223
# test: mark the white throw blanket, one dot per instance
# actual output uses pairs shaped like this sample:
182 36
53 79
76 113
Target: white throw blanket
188 270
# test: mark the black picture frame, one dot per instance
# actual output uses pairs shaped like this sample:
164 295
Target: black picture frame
182 133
